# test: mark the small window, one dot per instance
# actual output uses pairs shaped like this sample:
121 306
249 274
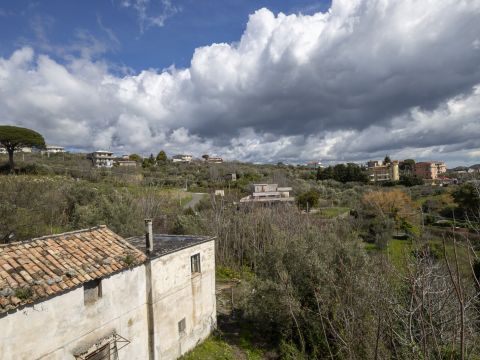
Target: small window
182 325
92 291
195 260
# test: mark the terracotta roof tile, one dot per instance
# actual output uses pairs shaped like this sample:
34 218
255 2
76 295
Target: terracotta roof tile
42 267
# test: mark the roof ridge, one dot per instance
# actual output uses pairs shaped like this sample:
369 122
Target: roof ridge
172 235
55 235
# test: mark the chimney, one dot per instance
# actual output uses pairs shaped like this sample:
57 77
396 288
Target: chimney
148 235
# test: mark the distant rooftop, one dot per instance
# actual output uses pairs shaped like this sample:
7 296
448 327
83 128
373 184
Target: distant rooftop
167 244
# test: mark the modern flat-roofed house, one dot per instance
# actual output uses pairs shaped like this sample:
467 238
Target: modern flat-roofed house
182 158
53 149
268 193
215 160
21 150
430 170
378 172
125 163
102 158
91 294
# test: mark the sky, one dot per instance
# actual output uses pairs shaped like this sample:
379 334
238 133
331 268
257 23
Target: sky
257 81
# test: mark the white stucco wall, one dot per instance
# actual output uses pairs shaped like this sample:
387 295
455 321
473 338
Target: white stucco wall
55 328
178 294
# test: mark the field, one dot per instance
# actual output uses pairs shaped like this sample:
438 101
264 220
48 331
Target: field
401 252
332 212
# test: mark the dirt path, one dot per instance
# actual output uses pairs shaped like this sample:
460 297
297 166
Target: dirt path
196 197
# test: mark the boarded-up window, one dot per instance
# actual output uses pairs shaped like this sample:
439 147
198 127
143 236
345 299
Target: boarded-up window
182 325
92 291
102 353
195 260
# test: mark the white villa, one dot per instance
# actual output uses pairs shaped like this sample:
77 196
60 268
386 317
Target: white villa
53 149
102 158
268 193
21 150
182 158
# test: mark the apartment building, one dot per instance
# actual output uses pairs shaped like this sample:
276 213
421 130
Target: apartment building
379 172
102 158
430 170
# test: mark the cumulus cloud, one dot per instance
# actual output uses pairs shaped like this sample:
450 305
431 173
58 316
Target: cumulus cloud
365 78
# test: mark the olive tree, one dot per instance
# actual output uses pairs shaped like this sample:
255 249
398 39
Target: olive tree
13 138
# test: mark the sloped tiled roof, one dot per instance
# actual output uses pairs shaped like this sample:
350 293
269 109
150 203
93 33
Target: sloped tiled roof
39 268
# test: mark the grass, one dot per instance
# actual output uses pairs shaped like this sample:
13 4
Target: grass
246 344
332 212
215 348
185 199
398 251
370 247
445 198
224 273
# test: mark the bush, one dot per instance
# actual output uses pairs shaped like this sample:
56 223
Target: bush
411 180
308 200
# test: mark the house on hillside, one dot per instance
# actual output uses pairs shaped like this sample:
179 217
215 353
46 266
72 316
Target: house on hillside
182 158
379 172
91 294
268 193
54 149
21 150
459 170
215 160
474 169
125 163
102 158
430 170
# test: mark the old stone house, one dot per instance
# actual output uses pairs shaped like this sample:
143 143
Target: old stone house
91 294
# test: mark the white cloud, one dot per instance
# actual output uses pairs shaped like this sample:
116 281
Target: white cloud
366 78
150 18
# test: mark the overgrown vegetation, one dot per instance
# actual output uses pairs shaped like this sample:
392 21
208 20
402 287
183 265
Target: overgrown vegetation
35 206
371 273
